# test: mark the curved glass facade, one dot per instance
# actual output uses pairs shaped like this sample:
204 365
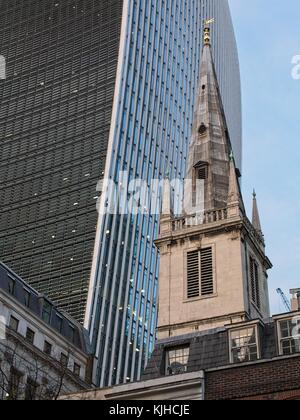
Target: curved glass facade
158 72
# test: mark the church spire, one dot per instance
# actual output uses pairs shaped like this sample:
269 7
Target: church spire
210 145
234 190
166 201
255 215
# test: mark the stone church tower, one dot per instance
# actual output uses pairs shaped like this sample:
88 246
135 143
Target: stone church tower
213 269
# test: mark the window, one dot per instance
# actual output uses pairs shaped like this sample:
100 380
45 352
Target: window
31 390
177 360
288 333
244 345
76 369
47 348
27 296
193 272
202 129
254 277
202 172
47 310
72 333
14 324
200 276
14 384
64 360
59 323
11 286
30 335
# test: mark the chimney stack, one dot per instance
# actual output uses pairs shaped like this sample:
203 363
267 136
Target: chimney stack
295 302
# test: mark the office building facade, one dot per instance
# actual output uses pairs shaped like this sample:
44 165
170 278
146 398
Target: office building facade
55 113
94 88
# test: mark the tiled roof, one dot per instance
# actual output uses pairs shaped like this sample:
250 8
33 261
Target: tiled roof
208 350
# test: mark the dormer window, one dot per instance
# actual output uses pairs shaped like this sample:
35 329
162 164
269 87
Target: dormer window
202 129
11 286
201 171
177 360
244 346
289 336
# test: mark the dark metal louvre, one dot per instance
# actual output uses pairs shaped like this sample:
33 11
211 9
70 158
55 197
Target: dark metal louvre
193 267
207 275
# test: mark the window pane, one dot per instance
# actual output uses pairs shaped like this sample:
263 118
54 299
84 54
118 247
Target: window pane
177 360
30 335
14 324
244 345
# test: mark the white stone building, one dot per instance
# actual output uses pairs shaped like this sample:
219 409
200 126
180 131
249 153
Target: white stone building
43 351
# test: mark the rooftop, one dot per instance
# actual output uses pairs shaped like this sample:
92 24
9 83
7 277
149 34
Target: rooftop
42 307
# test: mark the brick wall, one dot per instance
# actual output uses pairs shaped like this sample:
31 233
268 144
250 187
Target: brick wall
277 379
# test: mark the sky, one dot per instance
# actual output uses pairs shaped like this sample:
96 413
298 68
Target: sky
268 37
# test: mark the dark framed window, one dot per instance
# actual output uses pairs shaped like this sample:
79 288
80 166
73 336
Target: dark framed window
76 369
72 333
202 172
47 348
177 360
59 321
47 311
255 286
14 385
31 390
30 335
14 324
27 298
64 360
11 286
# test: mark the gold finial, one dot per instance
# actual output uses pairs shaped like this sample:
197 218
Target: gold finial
207 22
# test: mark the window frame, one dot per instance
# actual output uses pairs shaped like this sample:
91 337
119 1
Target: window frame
11 286
280 338
64 360
77 369
48 345
245 327
17 323
29 332
167 359
27 298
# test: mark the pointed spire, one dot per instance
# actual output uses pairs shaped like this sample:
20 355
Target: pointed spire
255 215
166 201
210 143
234 195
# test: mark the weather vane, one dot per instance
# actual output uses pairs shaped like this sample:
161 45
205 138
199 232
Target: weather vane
207 22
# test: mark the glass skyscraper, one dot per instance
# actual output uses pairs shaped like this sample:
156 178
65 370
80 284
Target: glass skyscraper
55 115
93 88
158 69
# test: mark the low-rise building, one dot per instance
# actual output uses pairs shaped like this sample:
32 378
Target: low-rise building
43 352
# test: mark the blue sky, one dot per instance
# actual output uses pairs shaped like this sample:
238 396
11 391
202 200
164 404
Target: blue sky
268 36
